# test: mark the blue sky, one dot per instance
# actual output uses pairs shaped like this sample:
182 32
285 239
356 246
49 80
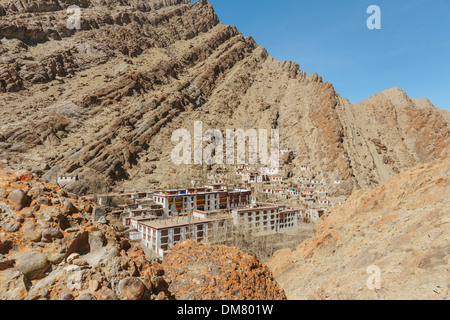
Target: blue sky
411 51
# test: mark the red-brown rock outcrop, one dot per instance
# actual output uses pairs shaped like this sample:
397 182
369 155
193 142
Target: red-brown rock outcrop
204 272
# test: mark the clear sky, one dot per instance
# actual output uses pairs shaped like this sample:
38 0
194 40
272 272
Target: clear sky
330 37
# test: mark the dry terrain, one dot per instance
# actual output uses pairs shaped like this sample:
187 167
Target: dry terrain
103 101
402 227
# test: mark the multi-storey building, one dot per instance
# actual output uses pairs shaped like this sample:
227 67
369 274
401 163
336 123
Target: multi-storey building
266 217
175 202
162 235
134 221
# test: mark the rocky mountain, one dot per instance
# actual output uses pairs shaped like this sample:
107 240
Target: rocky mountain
218 273
55 245
400 228
103 100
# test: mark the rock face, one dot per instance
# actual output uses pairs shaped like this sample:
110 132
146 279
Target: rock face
49 254
103 101
58 251
400 227
202 272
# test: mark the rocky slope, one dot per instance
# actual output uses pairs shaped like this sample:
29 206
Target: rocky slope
402 227
104 100
218 273
58 246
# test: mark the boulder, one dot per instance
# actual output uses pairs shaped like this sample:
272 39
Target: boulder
80 244
6 263
131 289
66 296
19 199
72 257
3 193
31 231
5 246
57 258
33 265
68 208
23 175
13 226
97 240
94 285
125 244
105 294
52 233
99 215
43 200
160 285
80 262
35 192
87 296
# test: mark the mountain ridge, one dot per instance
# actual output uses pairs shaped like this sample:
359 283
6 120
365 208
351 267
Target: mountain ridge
137 73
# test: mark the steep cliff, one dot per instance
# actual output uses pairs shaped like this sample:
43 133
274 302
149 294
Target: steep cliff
104 100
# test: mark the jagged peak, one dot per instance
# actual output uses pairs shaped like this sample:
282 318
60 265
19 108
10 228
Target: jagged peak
394 92
397 97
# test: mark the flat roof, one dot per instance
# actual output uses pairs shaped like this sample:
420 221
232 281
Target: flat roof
144 200
181 221
165 194
257 208
144 218
208 212
144 209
